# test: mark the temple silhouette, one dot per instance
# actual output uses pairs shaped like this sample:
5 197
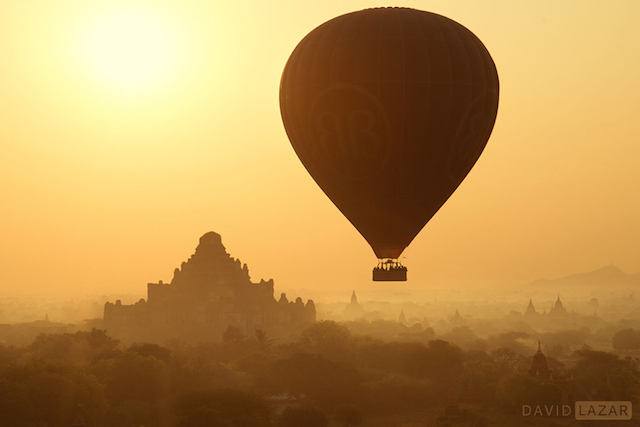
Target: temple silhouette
209 292
568 390
354 309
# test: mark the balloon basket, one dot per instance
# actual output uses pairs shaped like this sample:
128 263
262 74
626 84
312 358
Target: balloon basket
390 271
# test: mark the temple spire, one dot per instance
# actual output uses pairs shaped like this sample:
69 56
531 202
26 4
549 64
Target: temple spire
402 318
79 421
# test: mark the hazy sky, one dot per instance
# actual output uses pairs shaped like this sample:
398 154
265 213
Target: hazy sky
130 128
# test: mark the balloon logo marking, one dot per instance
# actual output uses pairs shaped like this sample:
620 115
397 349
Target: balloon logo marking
351 131
469 138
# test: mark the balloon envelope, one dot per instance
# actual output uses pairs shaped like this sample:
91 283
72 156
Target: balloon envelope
389 109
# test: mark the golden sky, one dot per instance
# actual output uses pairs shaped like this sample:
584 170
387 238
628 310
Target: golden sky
130 128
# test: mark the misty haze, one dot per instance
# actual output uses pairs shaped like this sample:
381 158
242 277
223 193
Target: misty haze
281 214
211 339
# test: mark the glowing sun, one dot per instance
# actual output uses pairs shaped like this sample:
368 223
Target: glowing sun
130 48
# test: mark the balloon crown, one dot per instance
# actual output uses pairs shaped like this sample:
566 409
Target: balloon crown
391 7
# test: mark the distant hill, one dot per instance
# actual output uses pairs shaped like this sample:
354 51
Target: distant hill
610 276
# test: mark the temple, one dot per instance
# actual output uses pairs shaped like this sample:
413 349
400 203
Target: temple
568 391
209 292
558 308
354 309
531 309
540 367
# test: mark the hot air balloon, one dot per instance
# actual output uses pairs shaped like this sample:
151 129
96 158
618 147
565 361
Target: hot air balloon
389 109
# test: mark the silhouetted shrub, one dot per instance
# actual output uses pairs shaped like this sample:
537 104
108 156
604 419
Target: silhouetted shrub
300 416
223 407
348 416
626 339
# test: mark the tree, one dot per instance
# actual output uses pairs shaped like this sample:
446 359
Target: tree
567 338
440 362
232 334
73 347
9 354
222 408
328 339
151 350
306 416
133 377
510 340
522 389
623 383
507 361
605 376
15 406
263 340
348 416
461 335
394 394
626 339
326 381
47 393
477 384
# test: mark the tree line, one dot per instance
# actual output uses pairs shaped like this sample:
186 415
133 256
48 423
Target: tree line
326 377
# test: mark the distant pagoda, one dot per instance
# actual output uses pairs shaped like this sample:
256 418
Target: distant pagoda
539 366
79 420
558 308
402 318
531 310
354 309
457 319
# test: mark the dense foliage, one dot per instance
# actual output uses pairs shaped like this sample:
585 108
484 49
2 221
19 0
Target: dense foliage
328 377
